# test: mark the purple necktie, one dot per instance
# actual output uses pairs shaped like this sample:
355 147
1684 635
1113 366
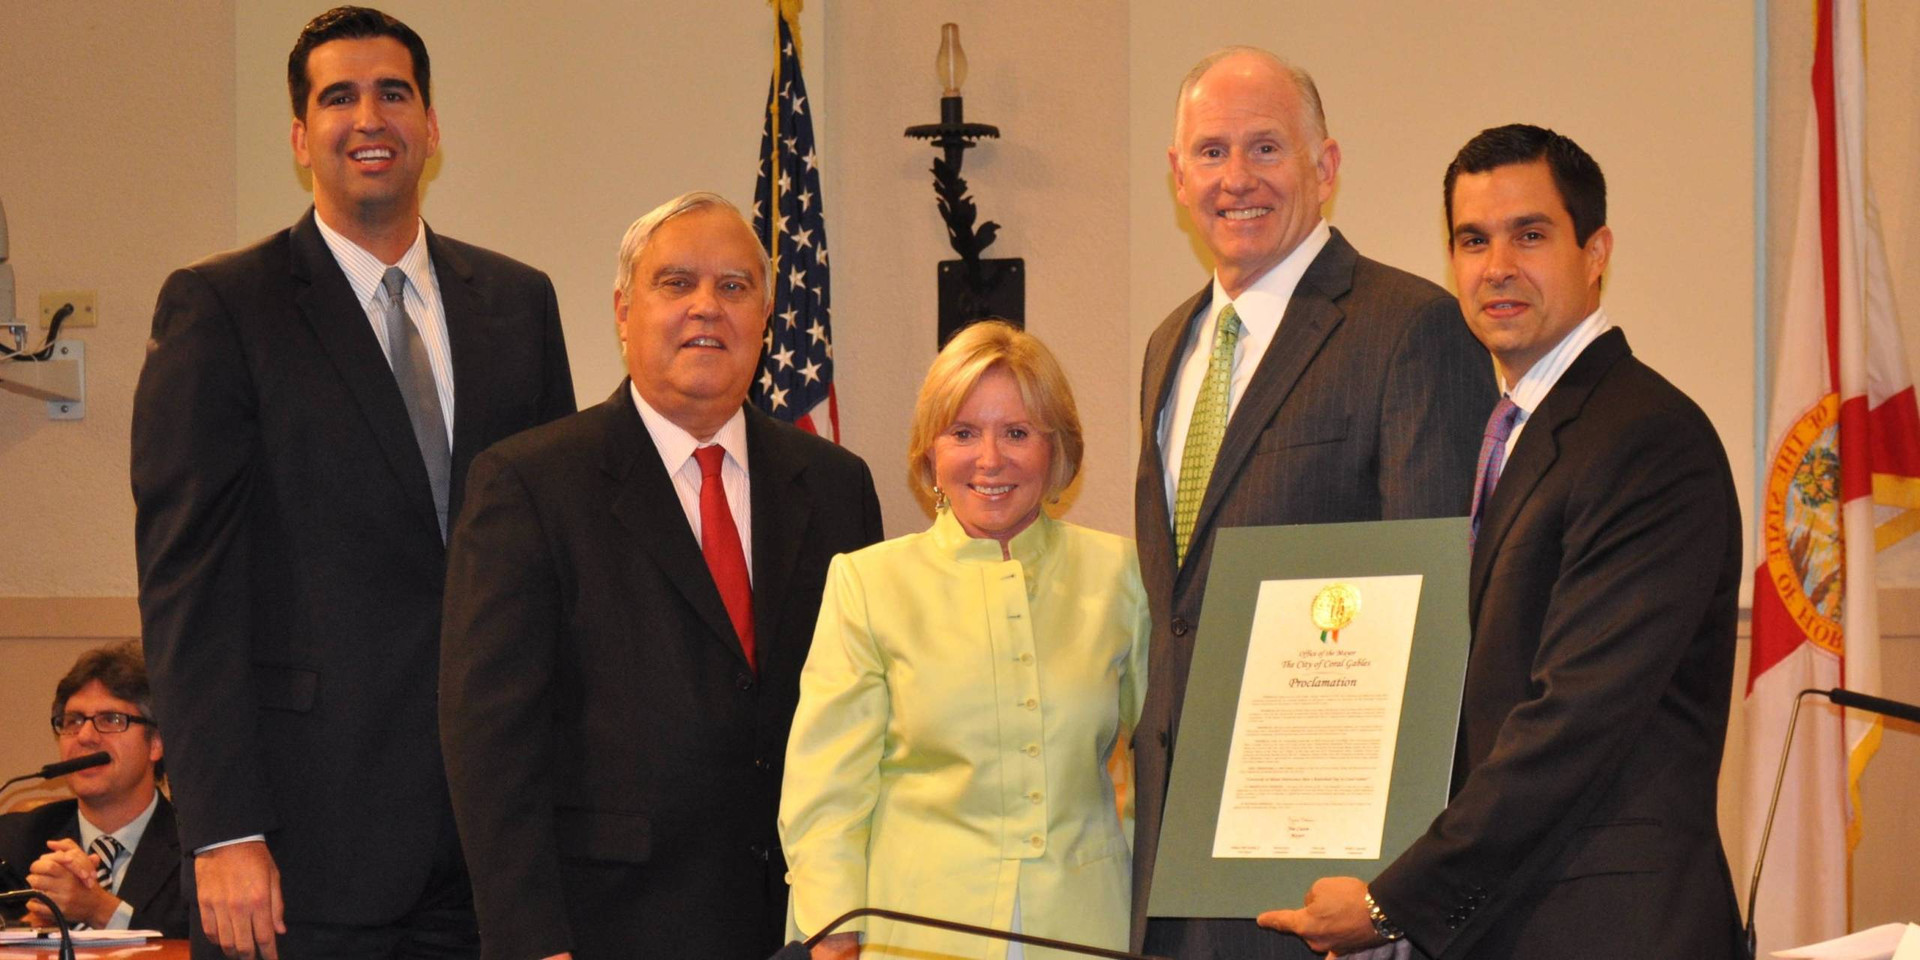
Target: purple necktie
1493 457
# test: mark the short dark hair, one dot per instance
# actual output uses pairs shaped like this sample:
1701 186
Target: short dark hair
353 23
122 669
1583 188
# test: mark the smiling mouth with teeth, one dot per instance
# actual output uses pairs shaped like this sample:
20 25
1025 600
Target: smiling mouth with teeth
990 491
704 342
373 153
1247 214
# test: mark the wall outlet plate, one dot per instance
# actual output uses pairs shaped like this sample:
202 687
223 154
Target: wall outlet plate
84 312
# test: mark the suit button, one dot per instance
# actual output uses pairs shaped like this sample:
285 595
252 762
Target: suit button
760 763
1036 841
743 680
1033 749
1180 626
1163 738
759 851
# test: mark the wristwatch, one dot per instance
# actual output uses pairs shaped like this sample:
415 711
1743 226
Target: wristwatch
1382 927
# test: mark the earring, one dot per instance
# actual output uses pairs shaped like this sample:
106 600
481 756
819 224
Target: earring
940 503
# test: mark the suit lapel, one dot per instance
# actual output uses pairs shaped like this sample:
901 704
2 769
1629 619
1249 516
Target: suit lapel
1312 316
471 341
154 862
646 505
326 301
781 507
1153 521
1536 452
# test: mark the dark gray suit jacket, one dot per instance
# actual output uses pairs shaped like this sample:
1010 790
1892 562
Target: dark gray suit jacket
291 566
151 885
1604 592
1368 405
615 764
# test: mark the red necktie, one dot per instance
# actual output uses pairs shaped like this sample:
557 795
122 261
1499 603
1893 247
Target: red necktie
720 542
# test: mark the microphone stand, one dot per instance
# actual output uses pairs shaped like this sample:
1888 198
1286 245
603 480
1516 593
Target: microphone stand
1844 698
59 918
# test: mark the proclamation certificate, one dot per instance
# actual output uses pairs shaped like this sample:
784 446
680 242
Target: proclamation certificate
1310 763
1317 731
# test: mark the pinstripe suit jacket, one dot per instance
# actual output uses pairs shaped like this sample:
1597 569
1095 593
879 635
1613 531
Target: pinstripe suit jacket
1368 405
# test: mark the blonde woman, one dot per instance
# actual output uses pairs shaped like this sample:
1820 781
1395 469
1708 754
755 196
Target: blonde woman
966 686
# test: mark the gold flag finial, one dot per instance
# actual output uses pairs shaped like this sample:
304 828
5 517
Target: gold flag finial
789 10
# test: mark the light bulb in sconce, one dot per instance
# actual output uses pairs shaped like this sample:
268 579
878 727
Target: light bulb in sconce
951 64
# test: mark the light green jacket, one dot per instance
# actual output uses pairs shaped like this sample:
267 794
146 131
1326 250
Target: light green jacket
949 754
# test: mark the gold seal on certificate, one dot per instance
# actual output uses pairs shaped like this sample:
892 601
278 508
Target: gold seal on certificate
1334 607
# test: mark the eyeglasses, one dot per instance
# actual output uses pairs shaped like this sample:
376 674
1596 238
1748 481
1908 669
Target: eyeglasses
108 721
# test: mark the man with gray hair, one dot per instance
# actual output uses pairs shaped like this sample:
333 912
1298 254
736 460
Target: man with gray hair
1304 384
631 592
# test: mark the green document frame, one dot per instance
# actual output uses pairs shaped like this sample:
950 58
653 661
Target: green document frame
1189 881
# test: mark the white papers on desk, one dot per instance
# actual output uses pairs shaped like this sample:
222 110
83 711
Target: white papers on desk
1888 941
26 937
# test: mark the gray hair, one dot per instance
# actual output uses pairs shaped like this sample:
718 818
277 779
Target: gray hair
1311 111
635 242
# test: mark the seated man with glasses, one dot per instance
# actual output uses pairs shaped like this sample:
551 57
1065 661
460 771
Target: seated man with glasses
109 857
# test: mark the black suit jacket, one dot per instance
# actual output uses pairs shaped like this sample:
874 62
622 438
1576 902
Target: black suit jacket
615 764
151 885
1604 601
1368 405
291 566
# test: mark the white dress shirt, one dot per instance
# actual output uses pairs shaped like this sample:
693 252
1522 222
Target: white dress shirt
676 447
364 271
1260 307
1539 379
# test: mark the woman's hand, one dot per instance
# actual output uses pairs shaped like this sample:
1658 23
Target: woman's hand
839 946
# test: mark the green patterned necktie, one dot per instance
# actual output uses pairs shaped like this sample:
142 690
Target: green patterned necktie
1204 431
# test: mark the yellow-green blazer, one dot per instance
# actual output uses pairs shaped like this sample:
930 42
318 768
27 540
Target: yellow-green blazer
949 754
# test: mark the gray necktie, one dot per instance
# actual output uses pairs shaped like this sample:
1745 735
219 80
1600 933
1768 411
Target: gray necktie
411 369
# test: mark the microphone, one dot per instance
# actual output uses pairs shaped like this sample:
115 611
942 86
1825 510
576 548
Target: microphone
1845 698
64 767
798 950
1879 705
59 917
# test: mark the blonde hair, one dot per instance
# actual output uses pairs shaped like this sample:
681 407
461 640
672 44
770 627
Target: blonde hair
972 352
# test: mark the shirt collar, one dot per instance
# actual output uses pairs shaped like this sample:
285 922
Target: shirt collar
129 835
1028 546
364 270
1261 305
676 445
1539 379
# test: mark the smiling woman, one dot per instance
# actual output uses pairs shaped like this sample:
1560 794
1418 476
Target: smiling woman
966 685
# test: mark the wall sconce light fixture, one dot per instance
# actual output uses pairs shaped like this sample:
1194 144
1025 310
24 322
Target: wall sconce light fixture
971 288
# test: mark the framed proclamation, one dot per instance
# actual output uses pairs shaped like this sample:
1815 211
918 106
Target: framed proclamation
1317 734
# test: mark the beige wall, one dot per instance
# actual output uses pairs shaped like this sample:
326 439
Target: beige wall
1051 76
116 165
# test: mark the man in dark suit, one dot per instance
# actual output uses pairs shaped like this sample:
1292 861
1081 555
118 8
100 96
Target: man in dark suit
1305 384
630 597
1605 581
301 432
109 857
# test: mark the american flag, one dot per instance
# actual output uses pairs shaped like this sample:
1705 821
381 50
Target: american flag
796 364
